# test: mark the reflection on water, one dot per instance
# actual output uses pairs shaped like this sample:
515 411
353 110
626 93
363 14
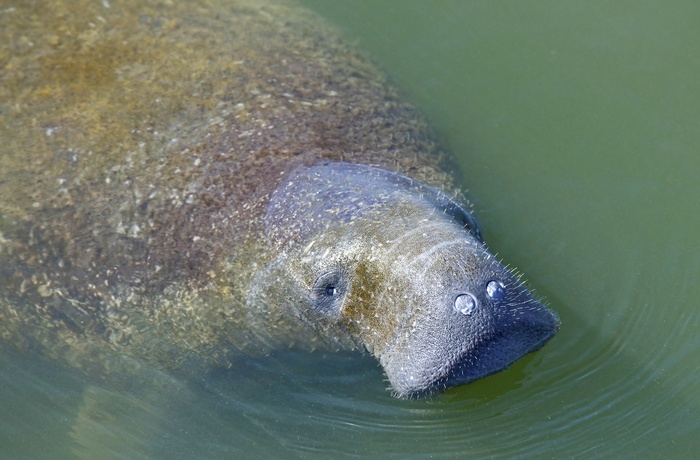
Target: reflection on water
604 226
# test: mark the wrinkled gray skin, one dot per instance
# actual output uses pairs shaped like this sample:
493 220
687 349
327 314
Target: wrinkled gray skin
373 258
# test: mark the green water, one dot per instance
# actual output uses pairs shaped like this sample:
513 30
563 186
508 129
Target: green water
578 129
577 126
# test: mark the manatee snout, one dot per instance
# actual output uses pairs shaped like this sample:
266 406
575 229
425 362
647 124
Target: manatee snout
371 258
478 321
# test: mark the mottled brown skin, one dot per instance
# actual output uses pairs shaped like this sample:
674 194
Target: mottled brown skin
185 183
140 144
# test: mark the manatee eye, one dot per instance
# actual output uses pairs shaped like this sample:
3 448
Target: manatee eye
328 292
495 290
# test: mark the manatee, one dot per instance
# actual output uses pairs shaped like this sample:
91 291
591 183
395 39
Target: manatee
184 184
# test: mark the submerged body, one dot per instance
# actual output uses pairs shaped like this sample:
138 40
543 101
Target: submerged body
185 183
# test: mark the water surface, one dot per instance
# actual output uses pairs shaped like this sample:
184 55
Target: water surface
577 127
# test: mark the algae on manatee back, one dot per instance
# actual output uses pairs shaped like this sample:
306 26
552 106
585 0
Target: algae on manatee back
141 144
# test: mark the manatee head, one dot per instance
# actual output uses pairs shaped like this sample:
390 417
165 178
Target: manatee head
370 258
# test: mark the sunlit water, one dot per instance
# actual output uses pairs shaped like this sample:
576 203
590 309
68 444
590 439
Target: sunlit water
578 130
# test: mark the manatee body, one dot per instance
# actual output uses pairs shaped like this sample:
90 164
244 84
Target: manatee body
185 183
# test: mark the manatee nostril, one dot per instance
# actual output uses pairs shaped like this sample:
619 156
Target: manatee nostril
495 290
466 304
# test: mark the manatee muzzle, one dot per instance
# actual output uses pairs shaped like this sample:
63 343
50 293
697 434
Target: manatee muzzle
494 353
469 335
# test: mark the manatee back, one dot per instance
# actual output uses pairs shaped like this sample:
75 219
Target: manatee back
141 143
